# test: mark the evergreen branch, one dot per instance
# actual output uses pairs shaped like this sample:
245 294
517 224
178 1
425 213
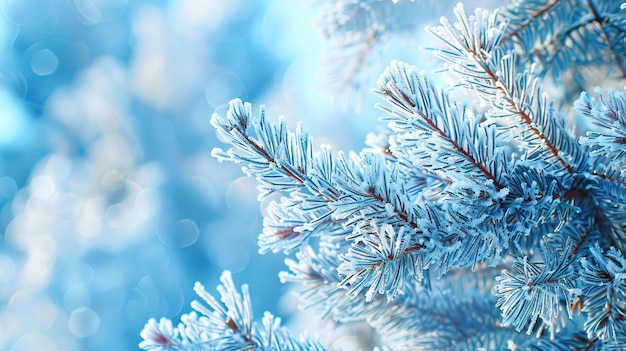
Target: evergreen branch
584 41
473 54
285 228
609 114
419 109
606 189
556 56
583 233
319 290
348 189
610 212
537 30
452 234
282 160
225 326
561 342
524 15
442 138
440 318
232 320
603 281
536 197
533 291
419 182
279 159
379 262
316 273
607 159
558 34
372 189
161 336
603 20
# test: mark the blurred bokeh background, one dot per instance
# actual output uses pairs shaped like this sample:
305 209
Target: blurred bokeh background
111 206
